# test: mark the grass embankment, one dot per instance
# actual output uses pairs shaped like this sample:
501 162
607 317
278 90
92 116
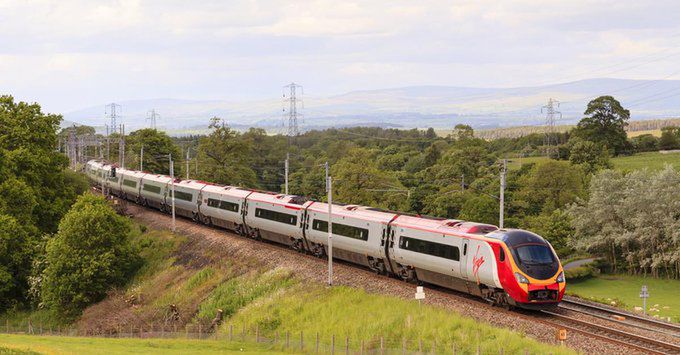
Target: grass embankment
195 279
664 299
30 344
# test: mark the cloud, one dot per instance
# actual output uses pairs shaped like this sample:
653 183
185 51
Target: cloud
70 54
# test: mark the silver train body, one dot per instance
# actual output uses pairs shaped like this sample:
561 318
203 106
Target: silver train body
469 257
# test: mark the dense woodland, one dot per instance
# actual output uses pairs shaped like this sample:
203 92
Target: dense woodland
573 200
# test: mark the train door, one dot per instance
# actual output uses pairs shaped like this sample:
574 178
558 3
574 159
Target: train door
463 260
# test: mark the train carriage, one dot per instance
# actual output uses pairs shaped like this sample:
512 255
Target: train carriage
130 184
222 206
187 197
276 217
154 189
358 233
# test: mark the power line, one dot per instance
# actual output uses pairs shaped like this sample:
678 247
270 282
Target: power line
550 137
152 116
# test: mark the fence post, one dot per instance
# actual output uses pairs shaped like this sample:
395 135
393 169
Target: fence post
302 341
434 346
403 346
7 324
420 345
257 333
347 345
317 342
141 328
361 351
479 351
332 344
287 339
231 332
382 345
186 331
243 332
501 351
453 348
199 330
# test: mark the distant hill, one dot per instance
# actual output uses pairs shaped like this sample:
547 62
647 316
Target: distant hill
408 107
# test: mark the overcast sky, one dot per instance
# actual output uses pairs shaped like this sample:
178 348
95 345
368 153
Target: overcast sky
71 54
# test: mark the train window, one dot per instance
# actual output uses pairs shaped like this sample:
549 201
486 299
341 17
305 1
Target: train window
130 183
183 196
341 229
430 248
502 255
152 188
276 216
223 205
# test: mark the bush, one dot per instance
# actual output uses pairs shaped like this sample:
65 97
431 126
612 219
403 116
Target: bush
579 273
89 255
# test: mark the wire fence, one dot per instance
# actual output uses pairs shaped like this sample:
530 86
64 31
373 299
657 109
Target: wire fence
288 341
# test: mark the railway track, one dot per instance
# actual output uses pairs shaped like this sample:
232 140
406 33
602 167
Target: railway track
620 338
621 317
634 341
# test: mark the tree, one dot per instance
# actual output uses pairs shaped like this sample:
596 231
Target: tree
157 146
225 158
89 255
670 138
632 219
16 249
645 143
357 178
551 185
555 227
463 132
605 124
483 209
590 156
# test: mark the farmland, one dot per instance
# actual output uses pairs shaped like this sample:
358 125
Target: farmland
648 160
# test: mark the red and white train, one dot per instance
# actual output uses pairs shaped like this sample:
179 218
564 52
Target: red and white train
506 267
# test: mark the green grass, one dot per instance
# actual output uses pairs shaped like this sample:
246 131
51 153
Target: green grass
351 313
649 160
625 290
31 344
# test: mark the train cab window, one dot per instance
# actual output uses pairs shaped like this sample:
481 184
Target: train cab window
465 249
501 255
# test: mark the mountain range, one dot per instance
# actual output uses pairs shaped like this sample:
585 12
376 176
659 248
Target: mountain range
406 107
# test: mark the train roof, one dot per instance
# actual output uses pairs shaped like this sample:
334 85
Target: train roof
227 190
157 178
355 211
279 199
454 226
191 184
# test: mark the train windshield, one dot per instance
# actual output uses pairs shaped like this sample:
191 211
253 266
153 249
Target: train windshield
534 255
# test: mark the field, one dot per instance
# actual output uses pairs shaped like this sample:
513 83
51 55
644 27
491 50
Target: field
649 160
625 290
31 344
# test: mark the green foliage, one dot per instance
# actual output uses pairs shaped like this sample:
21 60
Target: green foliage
670 138
89 255
588 155
16 250
632 219
605 124
555 227
483 209
551 185
226 158
358 180
579 273
645 143
157 146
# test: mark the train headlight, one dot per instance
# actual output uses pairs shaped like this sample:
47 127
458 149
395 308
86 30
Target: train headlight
560 277
521 278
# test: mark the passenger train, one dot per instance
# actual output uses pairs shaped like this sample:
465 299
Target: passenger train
506 267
